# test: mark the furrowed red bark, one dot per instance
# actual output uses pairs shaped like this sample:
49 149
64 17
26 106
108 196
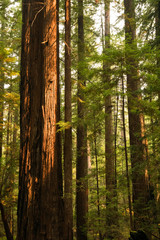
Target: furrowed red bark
40 207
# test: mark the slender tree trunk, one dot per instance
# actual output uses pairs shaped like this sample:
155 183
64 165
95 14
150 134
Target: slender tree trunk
58 145
9 166
40 207
138 162
13 165
109 153
68 233
126 156
82 163
97 180
109 145
115 141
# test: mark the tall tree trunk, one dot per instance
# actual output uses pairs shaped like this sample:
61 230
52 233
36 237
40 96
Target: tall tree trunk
40 206
115 140
138 161
126 157
68 233
13 165
109 145
97 181
58 145
82 163
9 168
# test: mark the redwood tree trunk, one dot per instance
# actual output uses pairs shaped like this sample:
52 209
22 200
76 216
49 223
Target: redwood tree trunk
109 153
109 146
138 160
82 162
68 234
40 204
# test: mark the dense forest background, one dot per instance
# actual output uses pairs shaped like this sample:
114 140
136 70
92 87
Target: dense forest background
107 151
